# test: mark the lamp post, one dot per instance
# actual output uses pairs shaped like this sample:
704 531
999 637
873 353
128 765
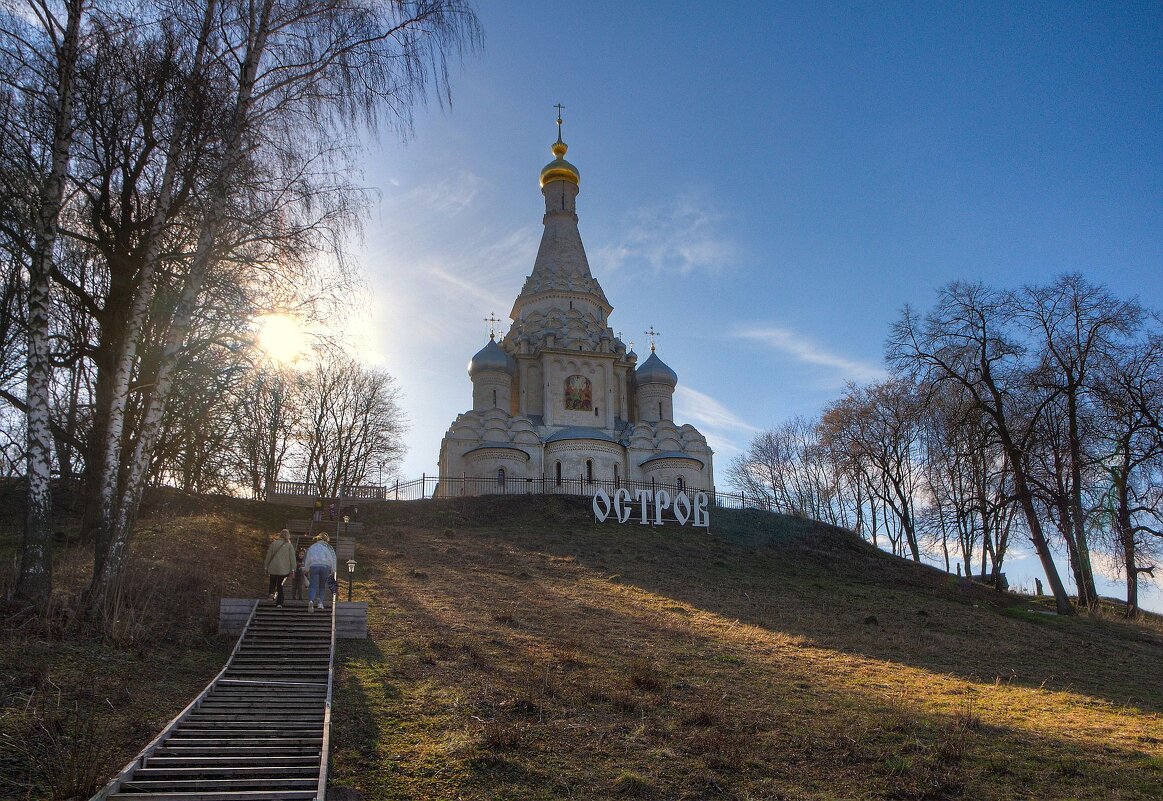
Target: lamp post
350 577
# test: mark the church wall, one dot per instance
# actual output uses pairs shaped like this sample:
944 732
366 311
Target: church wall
492 390
573 455
668 471
532 389
622 392
650 398
486 462
559 371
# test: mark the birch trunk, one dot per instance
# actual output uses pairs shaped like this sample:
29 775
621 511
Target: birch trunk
108 487
120 504
34 585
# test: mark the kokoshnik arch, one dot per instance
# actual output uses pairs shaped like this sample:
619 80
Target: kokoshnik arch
560 397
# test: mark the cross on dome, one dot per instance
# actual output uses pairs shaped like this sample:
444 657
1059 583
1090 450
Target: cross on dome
492 321
652 334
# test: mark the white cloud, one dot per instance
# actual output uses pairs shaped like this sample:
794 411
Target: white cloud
707 411
680 237
448 195
804 350
718 424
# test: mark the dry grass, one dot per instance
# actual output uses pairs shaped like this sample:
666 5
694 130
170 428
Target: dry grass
77 704
518 651
541 656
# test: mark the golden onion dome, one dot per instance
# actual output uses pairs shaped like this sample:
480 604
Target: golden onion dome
559 169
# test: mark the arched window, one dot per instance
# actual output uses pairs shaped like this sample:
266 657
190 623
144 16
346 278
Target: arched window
660 410
500 476
616 483
559 474
494 399
589 471
681 485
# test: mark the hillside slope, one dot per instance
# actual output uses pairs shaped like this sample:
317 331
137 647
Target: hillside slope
518 650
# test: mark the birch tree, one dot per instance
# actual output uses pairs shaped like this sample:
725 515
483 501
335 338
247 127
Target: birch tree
292 79
182 146
41 51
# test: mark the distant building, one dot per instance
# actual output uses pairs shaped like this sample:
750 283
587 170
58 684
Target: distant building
560 397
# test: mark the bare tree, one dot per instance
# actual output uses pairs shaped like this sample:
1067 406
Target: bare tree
880 425
968 340
787 470
351 424
238 145
267 412
179 148
1130 395
1077 325
41 51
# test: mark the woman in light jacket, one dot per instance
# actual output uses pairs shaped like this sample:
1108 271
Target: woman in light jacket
279 564
320 566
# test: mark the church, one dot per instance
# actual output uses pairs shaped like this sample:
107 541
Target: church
560 402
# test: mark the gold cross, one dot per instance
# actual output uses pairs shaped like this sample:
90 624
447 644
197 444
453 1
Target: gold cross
559 107
492 321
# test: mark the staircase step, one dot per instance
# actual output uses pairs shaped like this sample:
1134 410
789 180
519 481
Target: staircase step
251 750
227 772
258 733
220 795
227 760
308 783
249 729
178 741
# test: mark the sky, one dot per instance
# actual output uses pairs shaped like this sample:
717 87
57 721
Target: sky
767 184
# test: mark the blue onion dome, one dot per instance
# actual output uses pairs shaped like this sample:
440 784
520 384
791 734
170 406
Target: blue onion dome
655 371
491 357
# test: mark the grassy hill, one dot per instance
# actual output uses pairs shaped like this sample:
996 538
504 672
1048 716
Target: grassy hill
520 651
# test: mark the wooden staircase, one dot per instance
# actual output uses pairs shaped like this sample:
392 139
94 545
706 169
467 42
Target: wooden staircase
260 730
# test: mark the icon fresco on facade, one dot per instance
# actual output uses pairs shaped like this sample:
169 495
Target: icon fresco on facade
579 394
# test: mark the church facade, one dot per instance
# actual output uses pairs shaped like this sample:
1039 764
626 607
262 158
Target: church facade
560 398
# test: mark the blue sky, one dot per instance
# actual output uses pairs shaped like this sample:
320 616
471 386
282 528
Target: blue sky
766 184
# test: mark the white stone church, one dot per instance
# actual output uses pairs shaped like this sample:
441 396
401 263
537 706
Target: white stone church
561 399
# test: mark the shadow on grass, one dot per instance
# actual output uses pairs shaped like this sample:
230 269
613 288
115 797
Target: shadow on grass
593 685
824 584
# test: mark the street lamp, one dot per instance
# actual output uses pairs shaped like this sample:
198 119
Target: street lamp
350 577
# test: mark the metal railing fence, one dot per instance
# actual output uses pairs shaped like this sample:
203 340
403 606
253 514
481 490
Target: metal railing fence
466 486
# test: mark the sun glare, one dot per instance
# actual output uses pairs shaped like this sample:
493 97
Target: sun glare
281 337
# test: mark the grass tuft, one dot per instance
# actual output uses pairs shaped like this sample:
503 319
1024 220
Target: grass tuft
633 785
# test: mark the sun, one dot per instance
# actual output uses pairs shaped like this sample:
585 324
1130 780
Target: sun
281 337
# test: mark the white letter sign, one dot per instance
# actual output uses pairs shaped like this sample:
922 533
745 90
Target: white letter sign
651 506
601 505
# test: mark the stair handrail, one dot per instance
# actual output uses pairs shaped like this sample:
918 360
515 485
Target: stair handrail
321 790
115 784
